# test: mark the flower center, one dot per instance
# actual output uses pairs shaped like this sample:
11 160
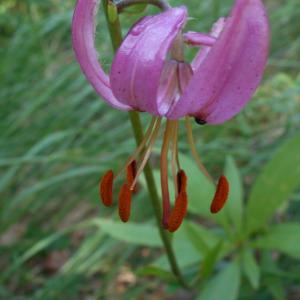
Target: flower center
171 218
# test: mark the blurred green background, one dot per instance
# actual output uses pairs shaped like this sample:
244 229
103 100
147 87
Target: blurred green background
57 138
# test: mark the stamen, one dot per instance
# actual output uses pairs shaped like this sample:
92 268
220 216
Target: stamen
176 147
175 161
147 153
164 171
178 213
180 208
182 181
141 146
221 195
131 174
106 187
125 203
194 150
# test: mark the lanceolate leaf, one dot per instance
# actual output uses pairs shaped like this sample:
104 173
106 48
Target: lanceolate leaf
284 238
184 249
275 185
250 268
133 233
225 285
202 238
210 260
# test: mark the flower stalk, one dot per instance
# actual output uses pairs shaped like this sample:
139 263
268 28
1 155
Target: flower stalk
111 13
161 4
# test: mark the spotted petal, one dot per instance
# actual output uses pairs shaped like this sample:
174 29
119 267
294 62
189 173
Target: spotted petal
138 65
228 76
83 35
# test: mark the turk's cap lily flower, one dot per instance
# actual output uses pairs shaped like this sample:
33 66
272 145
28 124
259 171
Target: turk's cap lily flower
150 74
225 72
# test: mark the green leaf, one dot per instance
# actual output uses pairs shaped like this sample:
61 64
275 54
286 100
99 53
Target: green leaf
234 206
44 184
42 244
202 238
210 260
133 233
250 268
40 146
284 238
276 288
275 185
225 285
185 251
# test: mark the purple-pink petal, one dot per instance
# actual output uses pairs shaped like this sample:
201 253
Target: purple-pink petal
83 35
138 65
228 76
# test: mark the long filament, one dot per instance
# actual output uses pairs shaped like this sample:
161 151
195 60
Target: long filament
194 150
147 153
141 146
176 146
174 161
164 171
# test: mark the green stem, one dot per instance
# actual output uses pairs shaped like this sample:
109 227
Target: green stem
161 4
116 37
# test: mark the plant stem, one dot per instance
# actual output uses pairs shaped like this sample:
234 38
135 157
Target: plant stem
116 37
161 4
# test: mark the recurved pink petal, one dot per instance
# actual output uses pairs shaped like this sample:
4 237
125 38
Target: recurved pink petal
138 65
83 35
231 71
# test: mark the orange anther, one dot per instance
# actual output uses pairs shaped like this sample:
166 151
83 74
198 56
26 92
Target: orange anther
106 187
178 213
131 171
181 181
125 202
221 195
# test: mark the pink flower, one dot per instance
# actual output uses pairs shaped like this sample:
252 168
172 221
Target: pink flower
150 74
